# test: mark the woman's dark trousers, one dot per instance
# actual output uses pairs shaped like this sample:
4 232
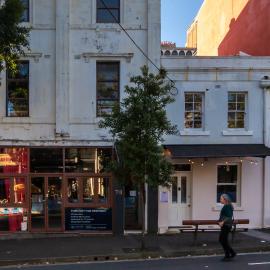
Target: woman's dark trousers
224 241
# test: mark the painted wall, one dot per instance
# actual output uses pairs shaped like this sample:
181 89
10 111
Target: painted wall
204 192
215 77
63 81
230 27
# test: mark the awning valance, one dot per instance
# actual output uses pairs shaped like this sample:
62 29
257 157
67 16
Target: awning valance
217 150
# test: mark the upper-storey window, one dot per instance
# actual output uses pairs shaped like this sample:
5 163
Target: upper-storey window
108 79
237 109
25 15
18 91
108 11
194 110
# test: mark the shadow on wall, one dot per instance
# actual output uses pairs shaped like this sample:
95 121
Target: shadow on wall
250 32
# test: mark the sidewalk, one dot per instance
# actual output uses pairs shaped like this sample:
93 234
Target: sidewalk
73 248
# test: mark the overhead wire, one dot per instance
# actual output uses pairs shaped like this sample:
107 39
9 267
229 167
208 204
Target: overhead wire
136 45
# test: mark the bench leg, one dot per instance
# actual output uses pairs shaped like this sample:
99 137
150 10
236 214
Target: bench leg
196 234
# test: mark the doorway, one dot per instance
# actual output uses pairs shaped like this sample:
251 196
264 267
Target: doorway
46 203
180 199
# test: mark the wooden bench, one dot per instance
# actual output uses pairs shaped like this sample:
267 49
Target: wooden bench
196 223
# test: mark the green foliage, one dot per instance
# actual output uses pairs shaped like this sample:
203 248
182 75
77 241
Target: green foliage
138 125
13 36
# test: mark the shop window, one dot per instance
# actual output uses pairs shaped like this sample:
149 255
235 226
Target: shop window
18 91
108 11
47 160
73 190
88 190
194 110
13 160
107 87
228 182
80 160
25 15
11 219
104 159
237 109
4 191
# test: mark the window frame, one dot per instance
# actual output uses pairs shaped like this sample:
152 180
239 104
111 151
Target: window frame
194 111
237 111
104 8
12 203
27 9
107 81
237 184
18 80
80 203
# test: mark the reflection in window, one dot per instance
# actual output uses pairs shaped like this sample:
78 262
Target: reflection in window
13 160
174 190
236 109
104 159
107 86
25 15
108 11
19 190
4 191
80 159
103 189
73 190
193 110
227 182
88 190
46 160
18 91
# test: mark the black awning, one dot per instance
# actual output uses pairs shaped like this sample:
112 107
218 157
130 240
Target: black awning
217 150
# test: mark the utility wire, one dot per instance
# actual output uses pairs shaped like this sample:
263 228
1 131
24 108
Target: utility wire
134 42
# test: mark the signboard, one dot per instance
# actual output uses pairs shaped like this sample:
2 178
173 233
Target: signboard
164 196
88 219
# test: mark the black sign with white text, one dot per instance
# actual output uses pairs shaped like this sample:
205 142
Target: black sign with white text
90 219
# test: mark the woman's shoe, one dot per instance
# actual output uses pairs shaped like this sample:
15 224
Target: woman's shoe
233 255
226 259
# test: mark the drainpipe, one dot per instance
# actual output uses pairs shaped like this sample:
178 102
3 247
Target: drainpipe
265 85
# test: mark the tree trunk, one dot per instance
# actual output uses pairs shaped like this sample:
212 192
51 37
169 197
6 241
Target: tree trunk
142 207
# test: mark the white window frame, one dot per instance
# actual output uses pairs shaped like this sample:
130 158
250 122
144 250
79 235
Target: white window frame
194 111
238 111
237 184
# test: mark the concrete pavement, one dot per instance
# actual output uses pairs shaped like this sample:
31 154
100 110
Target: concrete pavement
74 248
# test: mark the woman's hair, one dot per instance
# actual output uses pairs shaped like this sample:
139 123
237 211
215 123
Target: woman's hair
227 198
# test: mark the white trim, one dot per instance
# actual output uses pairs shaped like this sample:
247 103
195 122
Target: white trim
217 207
89 55
194 132
237 132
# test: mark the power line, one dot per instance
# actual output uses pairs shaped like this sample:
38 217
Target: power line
134 42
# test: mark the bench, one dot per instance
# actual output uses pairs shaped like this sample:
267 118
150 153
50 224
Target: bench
196 223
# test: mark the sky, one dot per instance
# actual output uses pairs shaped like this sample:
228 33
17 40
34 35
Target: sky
176 17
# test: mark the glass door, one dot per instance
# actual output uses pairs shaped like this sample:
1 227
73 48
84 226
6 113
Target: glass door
46 203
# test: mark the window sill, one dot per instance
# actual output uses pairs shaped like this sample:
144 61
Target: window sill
217 208
236 132
192 132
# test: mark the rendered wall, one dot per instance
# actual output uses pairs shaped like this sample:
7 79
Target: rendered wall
231 27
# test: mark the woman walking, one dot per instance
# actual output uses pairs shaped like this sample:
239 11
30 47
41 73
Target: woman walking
225 223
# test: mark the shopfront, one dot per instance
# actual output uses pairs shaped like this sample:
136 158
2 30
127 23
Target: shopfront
55 189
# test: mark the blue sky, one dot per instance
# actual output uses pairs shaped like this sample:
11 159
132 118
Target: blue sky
176 17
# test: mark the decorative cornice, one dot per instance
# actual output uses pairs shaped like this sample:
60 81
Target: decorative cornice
127 56
35 56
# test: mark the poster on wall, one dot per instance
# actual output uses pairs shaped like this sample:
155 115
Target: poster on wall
88 219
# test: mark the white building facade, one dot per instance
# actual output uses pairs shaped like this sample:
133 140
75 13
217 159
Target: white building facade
222 115
52 152
79 61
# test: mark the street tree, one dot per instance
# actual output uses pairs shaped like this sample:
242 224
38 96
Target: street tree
13 35
138 125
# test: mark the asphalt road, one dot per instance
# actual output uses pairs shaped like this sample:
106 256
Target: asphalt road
241 262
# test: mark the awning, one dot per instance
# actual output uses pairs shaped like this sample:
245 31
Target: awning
217 150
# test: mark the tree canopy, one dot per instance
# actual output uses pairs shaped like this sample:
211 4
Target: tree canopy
138 125
13 36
